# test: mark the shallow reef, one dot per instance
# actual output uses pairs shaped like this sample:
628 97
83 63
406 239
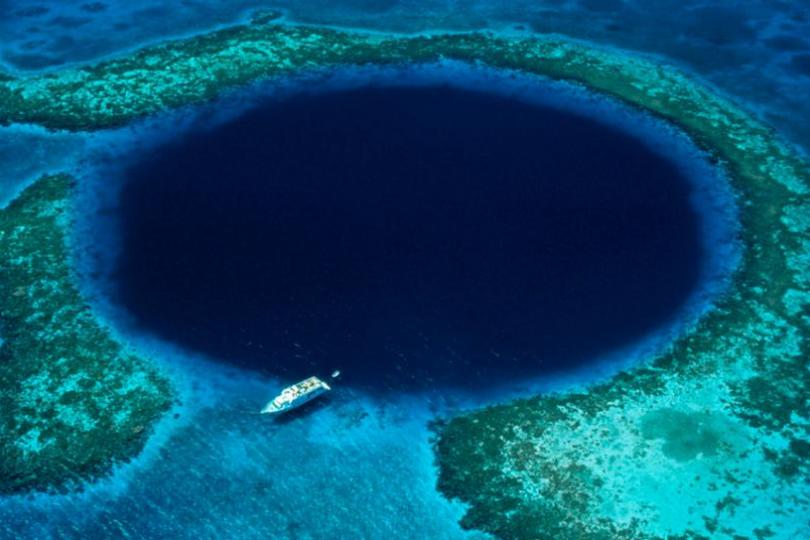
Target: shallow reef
73 400
711 439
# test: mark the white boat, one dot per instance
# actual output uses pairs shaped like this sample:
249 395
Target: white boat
296 395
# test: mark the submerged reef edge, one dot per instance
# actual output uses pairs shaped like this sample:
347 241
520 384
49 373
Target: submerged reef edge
709 439
73 400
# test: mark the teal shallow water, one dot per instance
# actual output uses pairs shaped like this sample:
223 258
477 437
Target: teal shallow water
357 467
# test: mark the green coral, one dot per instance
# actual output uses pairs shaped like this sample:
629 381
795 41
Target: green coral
668 444
61 374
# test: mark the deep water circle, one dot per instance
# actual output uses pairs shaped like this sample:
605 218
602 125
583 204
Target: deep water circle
407 236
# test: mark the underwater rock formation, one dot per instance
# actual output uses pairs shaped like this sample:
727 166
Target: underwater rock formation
73 400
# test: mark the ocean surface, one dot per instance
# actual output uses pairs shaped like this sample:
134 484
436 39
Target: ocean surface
181 263
359 463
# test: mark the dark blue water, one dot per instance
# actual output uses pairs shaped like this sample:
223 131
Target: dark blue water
407 236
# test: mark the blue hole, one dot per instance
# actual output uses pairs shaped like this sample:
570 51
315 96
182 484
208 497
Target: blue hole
407 236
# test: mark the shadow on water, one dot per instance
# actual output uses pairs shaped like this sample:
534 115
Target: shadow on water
409 237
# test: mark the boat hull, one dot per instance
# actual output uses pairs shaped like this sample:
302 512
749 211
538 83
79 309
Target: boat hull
296 395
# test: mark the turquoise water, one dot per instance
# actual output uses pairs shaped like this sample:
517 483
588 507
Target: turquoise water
355 466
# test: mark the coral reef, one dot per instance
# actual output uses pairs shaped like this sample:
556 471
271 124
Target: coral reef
710 439
72 400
